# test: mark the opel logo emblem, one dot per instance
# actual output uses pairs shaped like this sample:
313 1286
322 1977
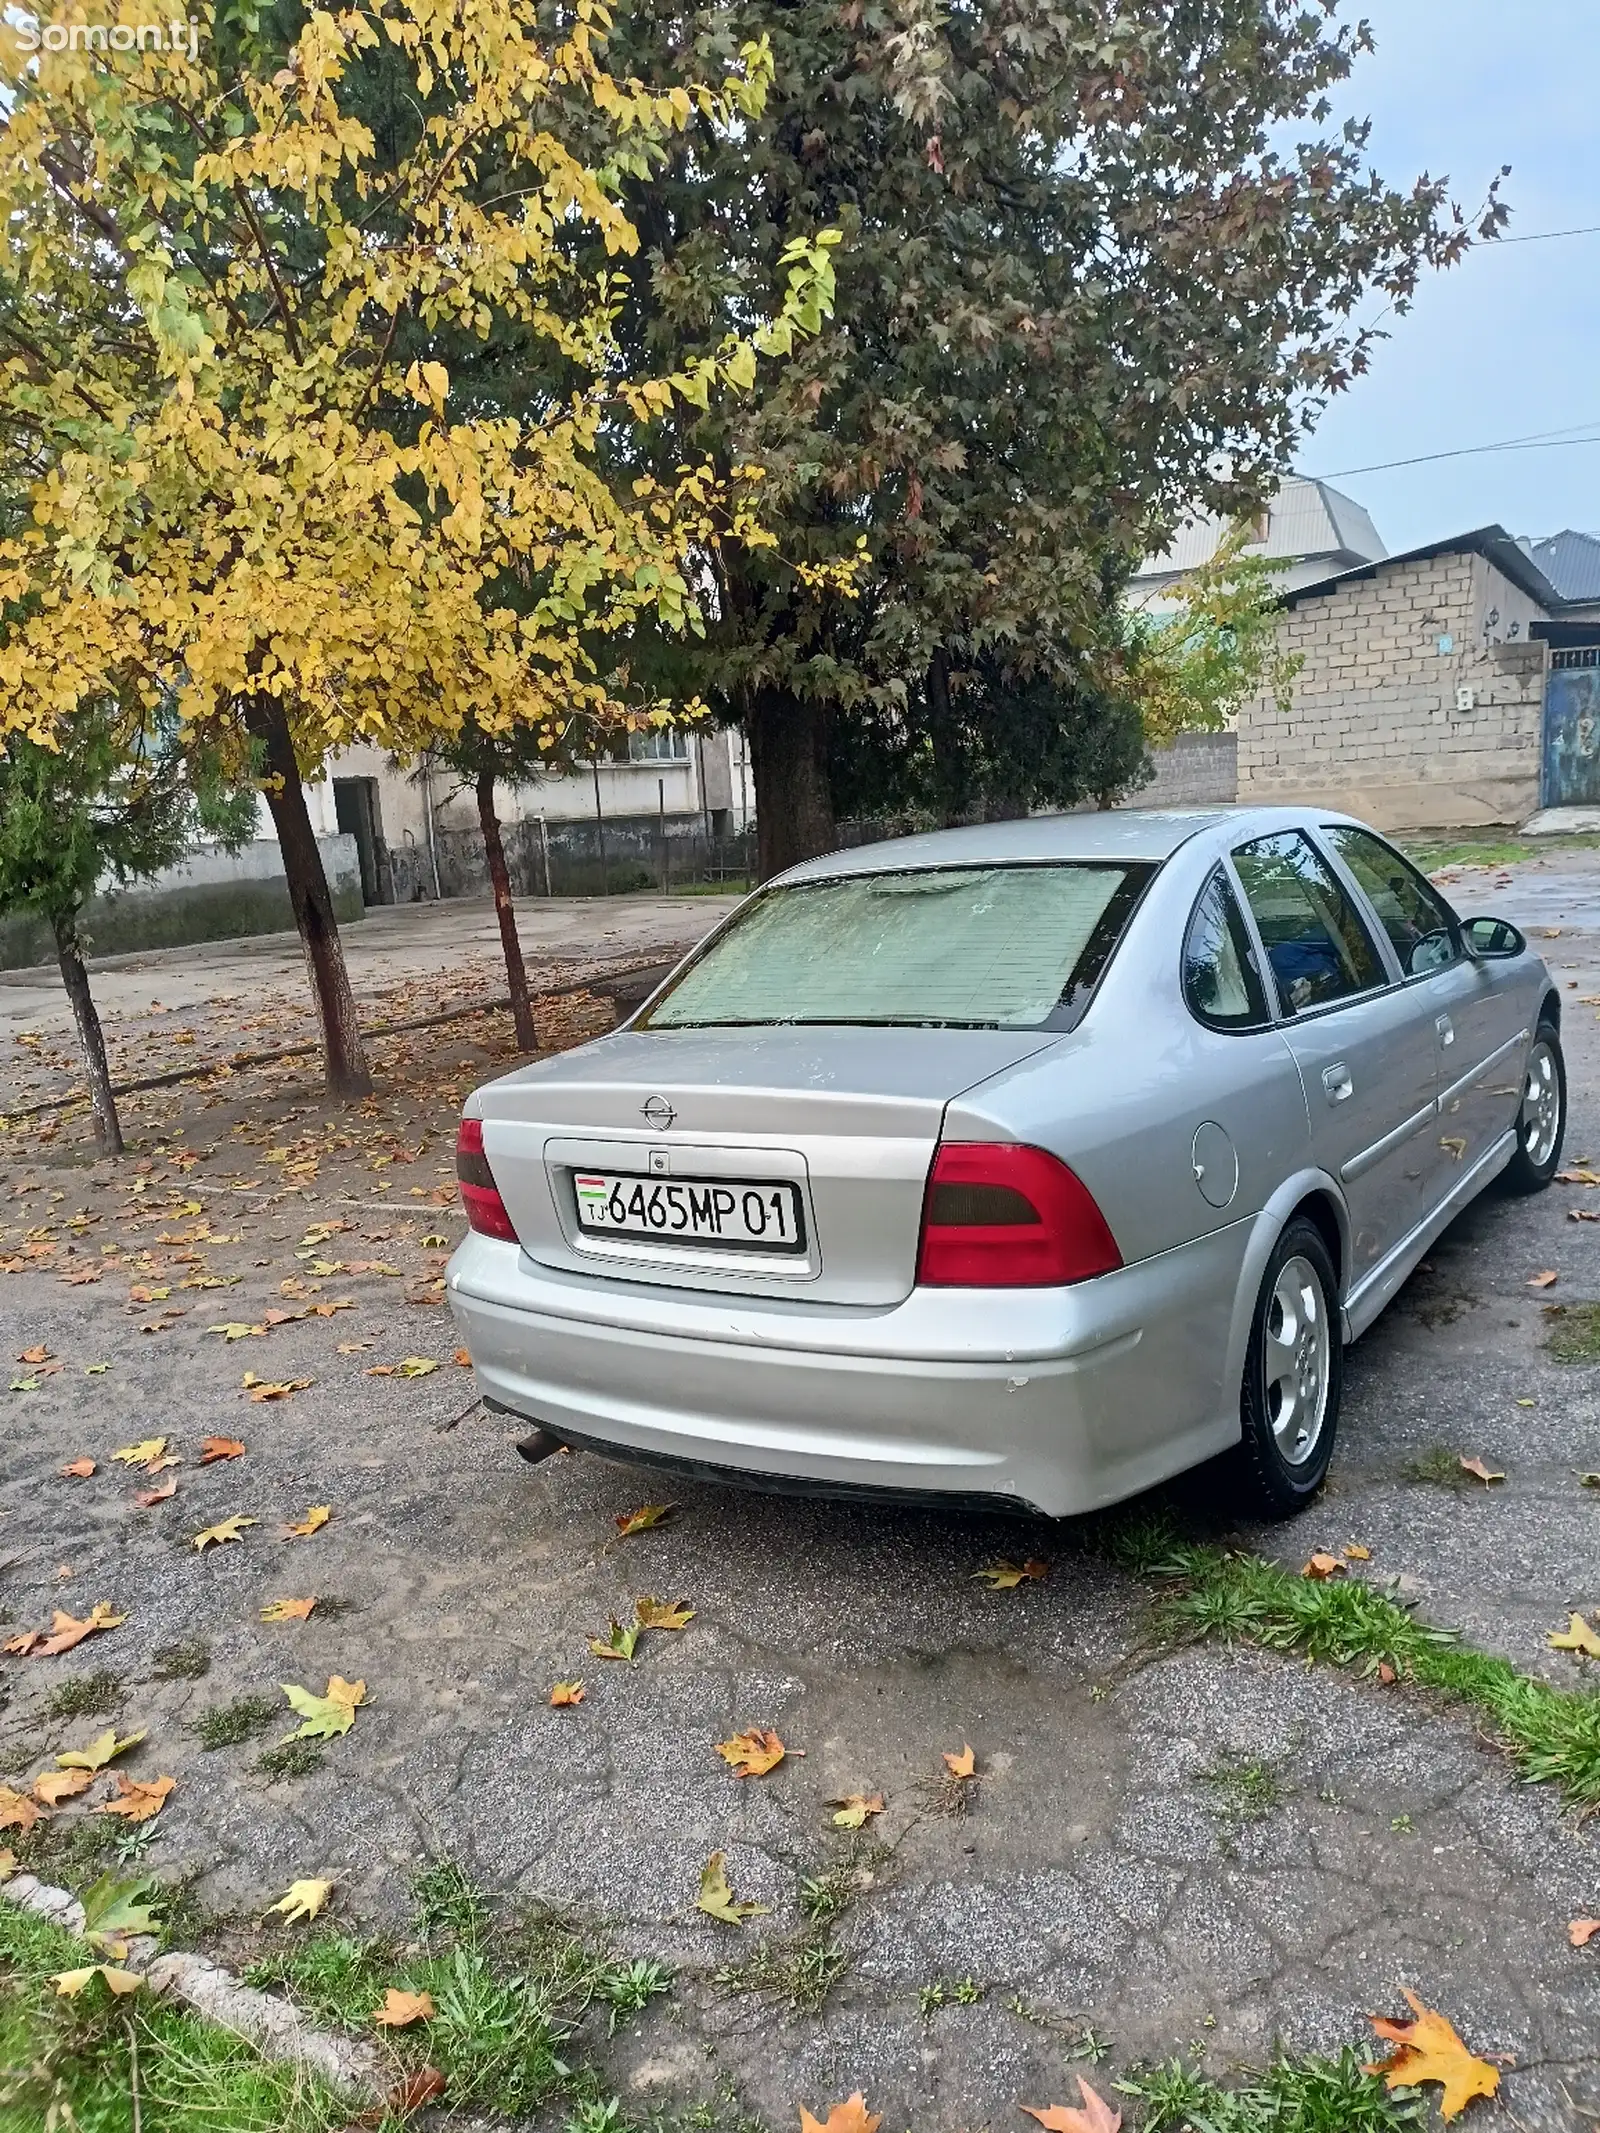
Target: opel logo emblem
657 1112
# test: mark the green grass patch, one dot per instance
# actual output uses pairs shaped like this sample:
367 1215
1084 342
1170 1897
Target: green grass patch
1244 1792
507 1999
70 2063
86 1696
1440 1468
1292 2096
1433 853
188 1661
1574 1335
229 1725
1551 1734
290 1759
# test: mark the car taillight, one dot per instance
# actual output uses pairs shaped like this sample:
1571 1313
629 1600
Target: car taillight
999 1216
480 1196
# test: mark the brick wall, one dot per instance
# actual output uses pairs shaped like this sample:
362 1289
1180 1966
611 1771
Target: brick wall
1198 770
1376 726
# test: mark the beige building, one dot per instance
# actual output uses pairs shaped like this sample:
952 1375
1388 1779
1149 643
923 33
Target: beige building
1420 700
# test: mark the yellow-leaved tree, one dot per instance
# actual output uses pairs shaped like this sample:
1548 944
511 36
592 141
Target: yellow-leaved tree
239 481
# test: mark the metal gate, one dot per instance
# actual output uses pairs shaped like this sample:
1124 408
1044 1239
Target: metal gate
1571 775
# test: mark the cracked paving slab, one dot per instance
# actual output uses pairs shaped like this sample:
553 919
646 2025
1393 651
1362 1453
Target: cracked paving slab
1114 1878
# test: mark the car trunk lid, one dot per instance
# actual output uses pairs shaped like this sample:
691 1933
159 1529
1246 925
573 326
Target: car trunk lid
849 1117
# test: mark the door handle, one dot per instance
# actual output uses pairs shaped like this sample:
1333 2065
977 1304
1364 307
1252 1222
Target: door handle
1446 1029
1336 1082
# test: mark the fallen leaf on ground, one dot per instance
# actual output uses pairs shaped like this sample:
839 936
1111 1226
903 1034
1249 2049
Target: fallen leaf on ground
51 1787
288 1610
323 1717
105 1748
1582 1931
18 1810
304 1899
1356 1552
853 1810
752 1754
463 1356
1005 1577
618 1643
640 1521
1576 1637
1546 1280
1095 2116
313 1522
401 2009
1480 1472
662 1614
147 1498
145 1454
65 1632
138 1799
69 1983
79 1469
423 2086
565 1695
215 1448
352 1347
716 1897
114 1909
271 1389
236 1330
8 1864
1322 1565
1428 2049
226 1529
964 1765
851 2116
1589 1481
35 1355
380 1370
416 1366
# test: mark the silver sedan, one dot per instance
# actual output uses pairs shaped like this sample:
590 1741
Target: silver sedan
1031 1163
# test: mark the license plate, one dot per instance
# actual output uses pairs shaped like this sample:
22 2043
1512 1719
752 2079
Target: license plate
745 1214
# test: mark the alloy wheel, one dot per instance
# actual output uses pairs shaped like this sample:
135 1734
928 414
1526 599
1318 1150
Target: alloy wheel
1295 1354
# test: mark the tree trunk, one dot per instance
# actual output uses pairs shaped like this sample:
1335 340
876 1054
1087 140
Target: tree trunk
789 764
949 799
343 1056
500 881
91 1041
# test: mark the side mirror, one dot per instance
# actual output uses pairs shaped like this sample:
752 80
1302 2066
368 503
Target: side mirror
1492 939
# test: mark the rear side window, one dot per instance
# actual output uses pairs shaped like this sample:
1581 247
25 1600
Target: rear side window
1318 948
1220 979
1419 923
1001 947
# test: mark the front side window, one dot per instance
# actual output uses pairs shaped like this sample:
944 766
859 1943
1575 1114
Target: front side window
1220 979
1419 924
984 947
1318 948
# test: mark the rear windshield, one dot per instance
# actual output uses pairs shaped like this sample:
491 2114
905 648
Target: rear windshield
1003 947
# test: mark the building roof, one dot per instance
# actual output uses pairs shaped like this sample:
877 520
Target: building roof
1571 562
1511 558
1310 526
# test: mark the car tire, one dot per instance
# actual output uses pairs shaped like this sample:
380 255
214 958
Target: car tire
1293 1378
1542 1117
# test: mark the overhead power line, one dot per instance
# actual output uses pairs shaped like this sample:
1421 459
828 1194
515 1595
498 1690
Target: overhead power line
1537 441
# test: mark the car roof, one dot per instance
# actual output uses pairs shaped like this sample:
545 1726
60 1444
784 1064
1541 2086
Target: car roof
1148 833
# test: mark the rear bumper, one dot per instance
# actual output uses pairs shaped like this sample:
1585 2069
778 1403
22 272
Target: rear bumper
1059 1399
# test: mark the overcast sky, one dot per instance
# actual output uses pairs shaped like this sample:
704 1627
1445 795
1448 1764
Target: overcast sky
1504 345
